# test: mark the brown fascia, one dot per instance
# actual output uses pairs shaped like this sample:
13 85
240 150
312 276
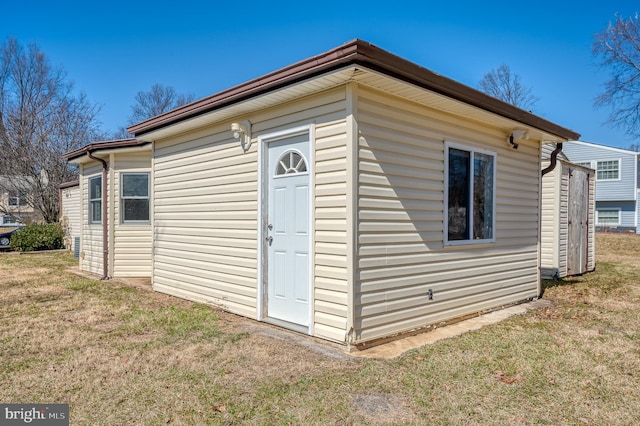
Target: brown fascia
104 145
356 52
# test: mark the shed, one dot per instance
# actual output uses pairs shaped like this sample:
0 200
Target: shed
70 214
115 183
568 218
352 196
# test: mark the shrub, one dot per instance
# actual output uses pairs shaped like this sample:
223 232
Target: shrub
49 236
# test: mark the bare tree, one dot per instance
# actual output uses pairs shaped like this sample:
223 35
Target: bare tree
502 84
618 50
40 119
157 100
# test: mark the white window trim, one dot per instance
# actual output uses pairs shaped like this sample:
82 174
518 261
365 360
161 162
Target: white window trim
618 209
594 163
122 198
20 199
90 200
472 150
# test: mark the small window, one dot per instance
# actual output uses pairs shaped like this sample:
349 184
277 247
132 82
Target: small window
608 217
470 196
291 162
608 170
135 197
6 220
585 164
17 199
95 200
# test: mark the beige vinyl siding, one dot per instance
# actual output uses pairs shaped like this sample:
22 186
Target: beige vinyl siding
132 242
330 269
206 212
205 220
401 254
562 224
91 251
71 214
550 222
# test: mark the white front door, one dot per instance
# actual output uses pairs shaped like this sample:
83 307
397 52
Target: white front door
287 237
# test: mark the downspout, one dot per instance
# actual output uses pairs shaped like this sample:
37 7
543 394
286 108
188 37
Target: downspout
554 159
549 168
105 233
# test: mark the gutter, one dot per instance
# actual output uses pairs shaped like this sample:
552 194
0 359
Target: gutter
359 53
105 232
554 159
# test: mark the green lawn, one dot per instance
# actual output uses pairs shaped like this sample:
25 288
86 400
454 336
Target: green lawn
124 355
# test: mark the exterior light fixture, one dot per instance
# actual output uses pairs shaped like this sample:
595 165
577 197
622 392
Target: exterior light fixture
242 132
517 134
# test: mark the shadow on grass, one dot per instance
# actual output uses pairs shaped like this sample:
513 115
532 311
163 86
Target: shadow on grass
562 282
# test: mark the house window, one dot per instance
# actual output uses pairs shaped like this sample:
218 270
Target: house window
17 199
608 217
608 170
6 220
585 164
135 197
470 196
95 200
291 162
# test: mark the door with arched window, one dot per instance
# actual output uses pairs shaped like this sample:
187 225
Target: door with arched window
287 237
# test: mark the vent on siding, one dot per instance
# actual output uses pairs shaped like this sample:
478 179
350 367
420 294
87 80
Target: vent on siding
76 247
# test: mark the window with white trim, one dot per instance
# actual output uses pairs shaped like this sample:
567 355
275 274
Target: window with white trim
134 197
608 217
470 195
585 164
17 199
95 199
608 170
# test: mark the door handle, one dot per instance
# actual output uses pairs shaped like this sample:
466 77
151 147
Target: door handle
269 239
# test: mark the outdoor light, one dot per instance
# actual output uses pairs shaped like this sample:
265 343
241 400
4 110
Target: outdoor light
517 134
242 132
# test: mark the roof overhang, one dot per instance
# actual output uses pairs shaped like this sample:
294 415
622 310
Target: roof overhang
357 61
105 148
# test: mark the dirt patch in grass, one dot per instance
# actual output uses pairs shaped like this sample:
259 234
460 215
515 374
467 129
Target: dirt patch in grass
127 355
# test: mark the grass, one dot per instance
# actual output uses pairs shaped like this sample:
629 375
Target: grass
125 355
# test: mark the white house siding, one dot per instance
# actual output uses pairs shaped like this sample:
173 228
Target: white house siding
132 243
206 212
71 213
401 230
91 252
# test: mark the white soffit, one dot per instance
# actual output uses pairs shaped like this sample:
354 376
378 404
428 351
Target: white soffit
335 78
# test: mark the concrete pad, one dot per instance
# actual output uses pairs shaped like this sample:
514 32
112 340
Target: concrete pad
398 347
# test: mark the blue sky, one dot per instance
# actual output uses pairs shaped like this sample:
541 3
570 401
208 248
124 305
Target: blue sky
111 50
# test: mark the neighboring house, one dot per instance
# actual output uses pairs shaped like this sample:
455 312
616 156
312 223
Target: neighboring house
617 184
352 196
567 235
70 215
14 206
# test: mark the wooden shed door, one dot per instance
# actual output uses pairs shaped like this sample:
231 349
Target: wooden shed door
578 231
288 230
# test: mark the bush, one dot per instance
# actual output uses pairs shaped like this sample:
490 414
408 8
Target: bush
49 236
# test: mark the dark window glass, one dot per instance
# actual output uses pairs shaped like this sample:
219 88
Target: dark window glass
458 209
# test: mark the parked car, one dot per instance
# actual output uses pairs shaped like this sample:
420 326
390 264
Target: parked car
5 239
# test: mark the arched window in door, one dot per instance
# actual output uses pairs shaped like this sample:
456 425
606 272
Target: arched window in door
291 162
